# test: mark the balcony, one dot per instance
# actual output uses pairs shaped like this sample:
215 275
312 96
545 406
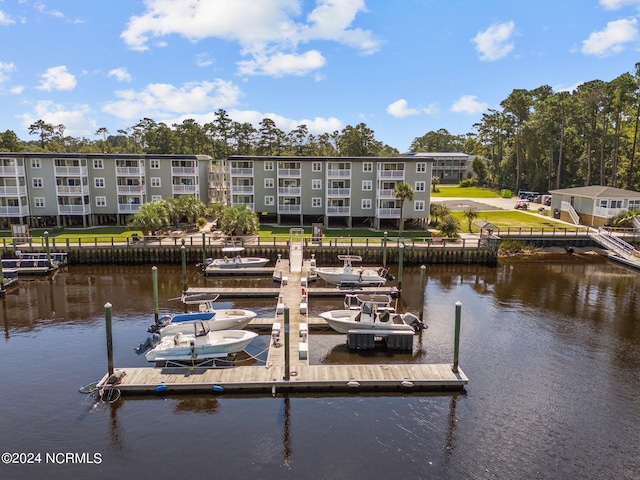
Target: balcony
289 172
338 211
184 189
74 209
338 192
242 189
72 190
338 173
386 193
241 172
388 213
14 211
250 206
12 171
66 171
13 191
179 171
390 174
290 209
128 207
295 191
129 171
132 189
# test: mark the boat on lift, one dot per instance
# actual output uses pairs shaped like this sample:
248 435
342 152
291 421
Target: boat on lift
380 318
233 259
350 275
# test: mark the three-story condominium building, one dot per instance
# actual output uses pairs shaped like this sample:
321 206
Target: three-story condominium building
336 191
63 189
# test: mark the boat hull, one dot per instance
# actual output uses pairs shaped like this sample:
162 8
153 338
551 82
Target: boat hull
344 320
212 345
338 276
222 319
245 262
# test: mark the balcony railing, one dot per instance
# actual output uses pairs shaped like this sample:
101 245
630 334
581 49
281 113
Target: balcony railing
128 171
391 174
289 209
184 171
250 206
338 211
14 211
289 172
72 190
242 172
339 192
65 171
184 189
238 189
386 193
132 189
388 213
339 173
128 207
13 191
289 191
74 209
11 171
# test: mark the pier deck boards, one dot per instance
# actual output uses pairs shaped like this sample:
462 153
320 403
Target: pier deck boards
301 376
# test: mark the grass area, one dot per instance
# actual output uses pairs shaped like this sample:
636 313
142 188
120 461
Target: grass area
118 233
464 192
507 218
279 230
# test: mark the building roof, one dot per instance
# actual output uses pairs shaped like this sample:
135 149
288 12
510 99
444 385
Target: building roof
437 154
291 158
597 191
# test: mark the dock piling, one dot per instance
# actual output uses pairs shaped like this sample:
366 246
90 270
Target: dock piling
456 341
384 250
46 241
183 251
154 280
423 271
107 316
400 262
287 360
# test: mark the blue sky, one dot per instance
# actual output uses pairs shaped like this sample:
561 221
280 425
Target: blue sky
403 67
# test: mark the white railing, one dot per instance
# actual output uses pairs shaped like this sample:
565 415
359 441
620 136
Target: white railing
73 190
13 191
612 242
66 171
74 209
128 207
385 193
388 213
606 212
636 223
14 211
391 174
242 172
289 173
184 189
250 206
289 191
128 171
339 173
339 192
242 189
567 207
131 189
184 171
12 170
338 211
289 209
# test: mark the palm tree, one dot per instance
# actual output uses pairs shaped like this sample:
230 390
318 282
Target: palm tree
402 192
150 217
470 214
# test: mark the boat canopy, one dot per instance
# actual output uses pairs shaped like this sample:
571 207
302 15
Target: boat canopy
232 249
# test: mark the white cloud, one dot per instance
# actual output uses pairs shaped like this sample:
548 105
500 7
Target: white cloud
57 78
280 64
6 19
612 39
570 88
399 109
203 60
16 90
161 100
469 104
5 70
76 119
618 4
121 74
266 31
42 9
495 42
431 109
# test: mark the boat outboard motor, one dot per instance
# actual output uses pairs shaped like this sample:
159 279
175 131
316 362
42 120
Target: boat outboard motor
149 343
413 321
384 273
161 323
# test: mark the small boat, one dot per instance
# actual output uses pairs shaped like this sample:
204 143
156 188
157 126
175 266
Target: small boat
29 266
348 275
218 319
200 345
233 259
372 317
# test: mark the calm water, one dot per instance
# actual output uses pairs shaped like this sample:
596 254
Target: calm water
552 353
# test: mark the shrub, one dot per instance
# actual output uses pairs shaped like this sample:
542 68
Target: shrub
506 193
469 182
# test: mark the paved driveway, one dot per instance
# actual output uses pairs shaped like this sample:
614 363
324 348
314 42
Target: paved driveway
461 204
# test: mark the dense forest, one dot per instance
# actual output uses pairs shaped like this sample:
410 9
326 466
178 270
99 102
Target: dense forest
538 139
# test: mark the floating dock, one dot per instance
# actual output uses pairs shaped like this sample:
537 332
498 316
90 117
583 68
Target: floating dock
288 370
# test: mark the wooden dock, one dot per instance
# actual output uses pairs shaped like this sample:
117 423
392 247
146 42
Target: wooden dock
298 376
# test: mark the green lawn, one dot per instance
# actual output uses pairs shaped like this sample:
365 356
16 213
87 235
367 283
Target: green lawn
464 192
506 218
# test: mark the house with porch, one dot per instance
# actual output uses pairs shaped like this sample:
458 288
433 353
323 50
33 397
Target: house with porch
594 205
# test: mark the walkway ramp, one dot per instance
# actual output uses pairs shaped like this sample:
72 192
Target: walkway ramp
621 251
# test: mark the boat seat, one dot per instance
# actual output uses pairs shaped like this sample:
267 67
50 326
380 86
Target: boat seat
384 316
178 338
397 319
358 317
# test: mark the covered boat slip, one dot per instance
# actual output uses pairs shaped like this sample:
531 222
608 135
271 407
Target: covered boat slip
296 376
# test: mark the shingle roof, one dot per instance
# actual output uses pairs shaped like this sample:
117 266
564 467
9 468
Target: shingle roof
597 191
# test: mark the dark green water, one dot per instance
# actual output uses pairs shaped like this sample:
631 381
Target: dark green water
552 352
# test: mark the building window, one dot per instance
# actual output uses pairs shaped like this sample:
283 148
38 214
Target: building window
603 204
269 201
421 167
156 198
269 183
635 204
367 185
420 186
616 203
316 167
154 164
367 167
316 184
268 166
366 204
101 201
39 202
155 182
97 163
418 206
99 182
316 202
37 183
35 163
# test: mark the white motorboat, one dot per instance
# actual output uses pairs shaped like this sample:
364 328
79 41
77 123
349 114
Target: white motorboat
371 317
217 319
233 259
200 345
348 275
